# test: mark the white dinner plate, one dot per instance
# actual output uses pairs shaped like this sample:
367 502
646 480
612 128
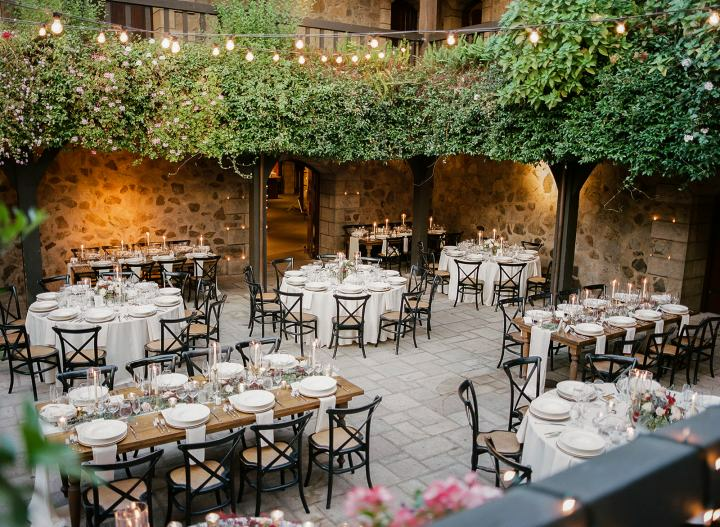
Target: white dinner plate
282 360
566 390
228 370
142 311
550 409
350 289
101 263
396 280
674 309
318 384
168 291
582 442
167 300
48 296
99 314
54 411
43 306
503 259
589 329
164 257
392 272
572 453
252 400
455 253
101 432
294 272
621 322
171 380
172 423
378 286
296 280
64 313
474 257
187 414
648 315
83 395
316 286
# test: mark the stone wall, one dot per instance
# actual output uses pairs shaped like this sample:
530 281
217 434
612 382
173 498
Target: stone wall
373 13
452 11
11 268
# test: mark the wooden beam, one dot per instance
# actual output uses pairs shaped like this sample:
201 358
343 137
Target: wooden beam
422 169
258 218
428 15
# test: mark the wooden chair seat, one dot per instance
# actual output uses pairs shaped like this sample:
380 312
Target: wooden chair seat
344 321
107 496
197 329
470 282
190 312
537 280
197 475
306 317
518 337
321 440
36 352
670 349
505 442
267 455
155 346
79 359
271 308
267 297
442 274
506 283
423 304
391 315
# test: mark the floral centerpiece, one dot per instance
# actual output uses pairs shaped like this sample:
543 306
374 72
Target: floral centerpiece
491 245
655 408
108 288
344 269
375 507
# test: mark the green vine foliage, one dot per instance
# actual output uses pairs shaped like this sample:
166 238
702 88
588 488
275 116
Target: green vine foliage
646 99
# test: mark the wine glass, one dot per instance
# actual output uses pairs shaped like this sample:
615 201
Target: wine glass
126 410
112 406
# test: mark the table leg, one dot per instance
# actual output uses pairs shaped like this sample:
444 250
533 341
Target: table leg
74 504
525 352
574 358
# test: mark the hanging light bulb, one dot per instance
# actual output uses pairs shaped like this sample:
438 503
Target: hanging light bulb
301 60
354 58
57 26
229 44
42 32
101 38
451 39
276 57
368 56
175 46
249 56
323 58
714 18
381 55
123 36
299 43
620 27
216 50
374 43
403 49
534 36
339 59
165 42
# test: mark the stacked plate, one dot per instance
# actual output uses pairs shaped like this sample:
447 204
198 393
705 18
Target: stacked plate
164 257
581 443
186 415
364 267
43 306
455 253
85 396
282 361
621 322
64 313
101 263
589 329
142 311
167 300
594 303
649 315
474 257
99 314
47 296
310 267
169 291
316 286
392 272
294 272
568 390
101 432
137 261
538 314
550 409
53 411
530 252
503 259
449 247
523 257
318 386
171 381
296 280
673 309
378 286
253 401
228 370
396 280
350 289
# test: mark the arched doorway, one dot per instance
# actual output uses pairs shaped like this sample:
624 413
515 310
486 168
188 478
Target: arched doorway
473 14
403 16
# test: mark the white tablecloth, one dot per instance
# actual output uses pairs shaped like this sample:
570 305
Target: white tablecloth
123 338
322 305
489 272
354 244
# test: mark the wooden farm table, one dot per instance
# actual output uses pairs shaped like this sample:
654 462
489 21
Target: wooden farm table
149 436
575 343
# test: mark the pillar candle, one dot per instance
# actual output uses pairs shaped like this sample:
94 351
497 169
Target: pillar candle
201 240
122 245
402 216
494 233
147 238
430 222
374 227
387 225
613 289
629 290
644 287
164 240
314 349
82 252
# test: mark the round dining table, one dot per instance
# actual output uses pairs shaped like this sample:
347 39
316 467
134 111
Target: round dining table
488 273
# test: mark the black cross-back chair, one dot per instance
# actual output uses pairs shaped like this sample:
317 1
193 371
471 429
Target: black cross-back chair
638 346
513 339
607 367
542 299
68 378
536 246
468 281
425 306
84 355
174 336
243 347
701 346
520 399
505 441
265 458
281 266
25 358
112 275
509 282
204 270
191 357
341 441
325 258
370 260
51 284
10 306
349 316
143 272
662 355
293 321
179 279
516 474
195 478
563 297
101 270
102 497
205 294
400 322
594 290
417 280
168 360
209 329
262 309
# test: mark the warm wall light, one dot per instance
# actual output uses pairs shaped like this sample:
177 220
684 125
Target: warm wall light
673 220
656 217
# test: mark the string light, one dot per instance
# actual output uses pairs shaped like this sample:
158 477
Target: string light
301 59
714 18
534 36
568 505
123 36
374 43
299 43
42 32
276 57
57 26
381 55
229 44
620 27
249 56
101 38
368 56
165 43
216 50
354 58
403 49
175 46
339 59
451 40
323 58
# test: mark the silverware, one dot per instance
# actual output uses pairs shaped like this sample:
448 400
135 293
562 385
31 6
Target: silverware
164 425
132 430
214 414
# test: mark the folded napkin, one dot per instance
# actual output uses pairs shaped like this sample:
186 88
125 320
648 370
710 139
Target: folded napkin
105 455
539 345
384 248
684 320
266 418
354 246
41 511
196 435
659 328
326 403
405 244
168 267
629 335
600 343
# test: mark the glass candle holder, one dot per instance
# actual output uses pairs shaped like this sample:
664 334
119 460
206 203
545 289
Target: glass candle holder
134 515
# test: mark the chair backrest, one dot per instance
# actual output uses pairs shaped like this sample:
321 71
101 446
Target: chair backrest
427 259
369 260
14 337
563 297
141 271
213 315
243 345
177 279
290 303
68 378
220 472
617 365
409 305
467 395
436 281
324 258
281 265
111 275
289 452
468 272
206 267
175 334
168 360
531 245
99 270
140 471
356 435
84 354
205 293
510 274
594 290
417 280
249 274
516 473
637 345
350 310
9 304
53 283
453 238
195 355
257 297
511 308
539 299
521 387
710 330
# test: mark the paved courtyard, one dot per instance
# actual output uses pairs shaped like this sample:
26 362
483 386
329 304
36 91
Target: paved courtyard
419 432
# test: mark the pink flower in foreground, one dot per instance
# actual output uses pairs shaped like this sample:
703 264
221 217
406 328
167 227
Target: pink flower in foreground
360 500
407 518
445 496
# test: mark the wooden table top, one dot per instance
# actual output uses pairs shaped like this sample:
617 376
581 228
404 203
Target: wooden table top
148 435
611 332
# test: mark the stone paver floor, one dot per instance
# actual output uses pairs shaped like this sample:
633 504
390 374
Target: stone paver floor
420 431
